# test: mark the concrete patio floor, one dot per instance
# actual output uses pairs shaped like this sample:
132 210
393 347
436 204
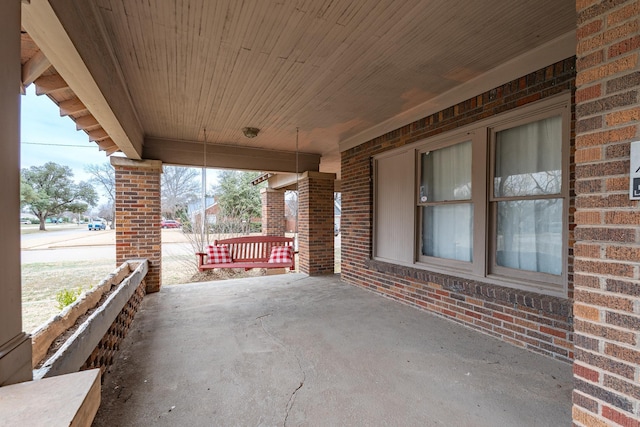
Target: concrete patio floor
293 350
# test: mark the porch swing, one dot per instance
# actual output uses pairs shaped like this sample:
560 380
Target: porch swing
246 252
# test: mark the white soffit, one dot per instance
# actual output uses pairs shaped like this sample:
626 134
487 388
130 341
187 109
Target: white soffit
41 22
551 52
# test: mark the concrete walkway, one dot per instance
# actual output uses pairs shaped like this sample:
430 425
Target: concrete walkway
291 350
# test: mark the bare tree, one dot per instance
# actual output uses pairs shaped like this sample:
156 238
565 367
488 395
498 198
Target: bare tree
291 202
104 175
179 188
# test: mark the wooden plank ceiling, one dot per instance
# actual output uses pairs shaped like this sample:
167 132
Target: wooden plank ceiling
332 68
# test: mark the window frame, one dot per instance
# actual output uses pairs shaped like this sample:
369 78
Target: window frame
482 135
494 270
477 139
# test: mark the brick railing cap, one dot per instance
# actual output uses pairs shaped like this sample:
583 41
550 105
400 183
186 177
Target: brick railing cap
271 190
318 175
139 164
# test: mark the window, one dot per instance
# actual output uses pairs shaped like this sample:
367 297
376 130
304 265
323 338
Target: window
527 203
445 201
489 201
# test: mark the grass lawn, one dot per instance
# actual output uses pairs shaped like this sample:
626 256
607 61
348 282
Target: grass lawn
42 281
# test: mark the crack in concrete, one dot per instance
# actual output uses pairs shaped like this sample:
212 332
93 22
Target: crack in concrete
292 398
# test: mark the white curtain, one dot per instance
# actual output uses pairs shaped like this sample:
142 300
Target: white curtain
447 229
529 159
529 163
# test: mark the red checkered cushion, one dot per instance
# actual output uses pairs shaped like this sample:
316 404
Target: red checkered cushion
218 254
280 254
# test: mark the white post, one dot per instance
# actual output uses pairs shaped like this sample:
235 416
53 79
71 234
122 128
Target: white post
15 345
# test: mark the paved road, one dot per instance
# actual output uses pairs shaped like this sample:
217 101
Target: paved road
88 253
74 243
80 244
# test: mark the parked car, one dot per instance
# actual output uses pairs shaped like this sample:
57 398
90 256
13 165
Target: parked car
169 223
97 225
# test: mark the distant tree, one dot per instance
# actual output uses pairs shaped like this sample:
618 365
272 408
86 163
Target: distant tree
291 201
104 176
179 188
26 192
52 191
106 211
237 197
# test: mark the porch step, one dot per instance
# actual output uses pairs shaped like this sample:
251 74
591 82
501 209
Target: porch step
65 400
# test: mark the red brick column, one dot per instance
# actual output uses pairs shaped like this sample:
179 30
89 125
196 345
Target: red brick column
316 212
607 248
272 212
138 232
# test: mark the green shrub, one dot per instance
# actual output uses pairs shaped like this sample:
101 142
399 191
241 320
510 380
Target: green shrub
67 297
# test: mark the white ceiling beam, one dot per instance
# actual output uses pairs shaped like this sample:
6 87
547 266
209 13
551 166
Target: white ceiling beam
71 38
34 67
191 153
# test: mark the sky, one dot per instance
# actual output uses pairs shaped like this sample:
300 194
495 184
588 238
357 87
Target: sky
47 137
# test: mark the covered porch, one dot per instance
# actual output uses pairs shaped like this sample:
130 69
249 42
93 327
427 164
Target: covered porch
373 89
300 350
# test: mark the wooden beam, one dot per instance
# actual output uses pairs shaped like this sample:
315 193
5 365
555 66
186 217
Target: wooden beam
87 122
289 181
106 144
112 150
51 83
97 134
73 39
34 67
71 106
191 153
284 181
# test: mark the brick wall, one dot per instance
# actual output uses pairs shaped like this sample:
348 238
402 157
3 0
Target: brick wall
273 221
540 323
316 239
607 249
138 232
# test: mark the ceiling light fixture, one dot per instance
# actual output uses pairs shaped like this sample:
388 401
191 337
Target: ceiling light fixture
250 132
